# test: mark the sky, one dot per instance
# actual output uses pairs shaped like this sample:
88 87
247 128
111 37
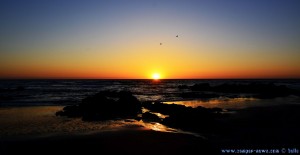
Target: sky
134 39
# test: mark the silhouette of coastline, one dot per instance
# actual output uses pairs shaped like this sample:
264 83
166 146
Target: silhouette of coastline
123 105
254 89
255 127
228 129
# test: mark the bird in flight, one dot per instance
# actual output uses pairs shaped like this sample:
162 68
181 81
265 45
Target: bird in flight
161 43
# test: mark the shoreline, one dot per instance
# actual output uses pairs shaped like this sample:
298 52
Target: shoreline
40 130
41 121
127 141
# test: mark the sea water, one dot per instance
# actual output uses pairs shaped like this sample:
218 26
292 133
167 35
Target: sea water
68 92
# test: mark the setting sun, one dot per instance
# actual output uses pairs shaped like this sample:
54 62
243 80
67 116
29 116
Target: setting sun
156 76
134 40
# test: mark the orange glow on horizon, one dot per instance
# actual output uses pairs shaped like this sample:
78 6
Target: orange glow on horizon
90 74
142 61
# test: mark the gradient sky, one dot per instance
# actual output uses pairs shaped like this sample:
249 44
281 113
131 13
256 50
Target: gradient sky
121 39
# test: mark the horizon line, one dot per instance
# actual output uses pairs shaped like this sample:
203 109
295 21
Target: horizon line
149 79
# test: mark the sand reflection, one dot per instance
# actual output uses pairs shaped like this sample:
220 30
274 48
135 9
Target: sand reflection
41 120
226 103
237 103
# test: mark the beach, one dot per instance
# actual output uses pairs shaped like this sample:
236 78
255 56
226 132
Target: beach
36 129
133 141
185 119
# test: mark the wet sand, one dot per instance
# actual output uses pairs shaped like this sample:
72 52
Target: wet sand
133 141
36 130
256 127
39 121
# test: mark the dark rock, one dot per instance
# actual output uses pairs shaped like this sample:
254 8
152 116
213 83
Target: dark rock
128 103
104 106
193 119
70 111
201 87
217 110
167 109
259 90
149 117
188 118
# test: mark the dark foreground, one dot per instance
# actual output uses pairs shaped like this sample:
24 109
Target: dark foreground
265 128
113 142
272 128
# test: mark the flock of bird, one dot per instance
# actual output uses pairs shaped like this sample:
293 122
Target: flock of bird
161 43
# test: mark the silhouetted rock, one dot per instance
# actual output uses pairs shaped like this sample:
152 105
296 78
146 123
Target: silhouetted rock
129 103
201 86
70 111
149 117
104 106
167 109
217 110
259 90
180 116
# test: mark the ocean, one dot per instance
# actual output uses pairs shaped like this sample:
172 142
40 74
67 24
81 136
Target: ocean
68 92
